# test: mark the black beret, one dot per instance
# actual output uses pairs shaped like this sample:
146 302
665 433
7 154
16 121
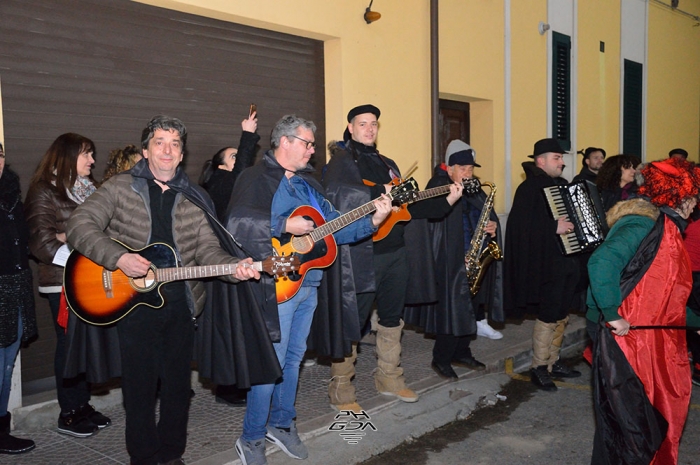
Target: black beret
361 110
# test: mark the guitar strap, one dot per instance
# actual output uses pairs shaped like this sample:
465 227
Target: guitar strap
312 197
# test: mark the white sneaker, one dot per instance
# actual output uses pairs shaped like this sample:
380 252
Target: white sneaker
309 362
484 330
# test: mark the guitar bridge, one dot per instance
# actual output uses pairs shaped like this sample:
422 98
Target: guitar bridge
107 283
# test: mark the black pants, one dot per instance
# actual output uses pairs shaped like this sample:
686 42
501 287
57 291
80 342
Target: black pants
391 281
156 344
71 392
449 347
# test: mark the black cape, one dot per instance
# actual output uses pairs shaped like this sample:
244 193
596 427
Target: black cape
532 255
248 219
354 264
454 311
249 359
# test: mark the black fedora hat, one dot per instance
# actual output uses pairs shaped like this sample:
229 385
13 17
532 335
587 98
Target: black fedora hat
546 146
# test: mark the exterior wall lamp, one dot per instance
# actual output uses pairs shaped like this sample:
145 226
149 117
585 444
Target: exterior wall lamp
371 16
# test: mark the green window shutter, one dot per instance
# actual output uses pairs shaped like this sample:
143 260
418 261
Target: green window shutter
632 108
561 89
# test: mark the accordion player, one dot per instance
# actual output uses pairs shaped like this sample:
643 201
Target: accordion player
581 204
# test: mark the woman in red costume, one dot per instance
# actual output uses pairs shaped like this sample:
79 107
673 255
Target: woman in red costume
641 276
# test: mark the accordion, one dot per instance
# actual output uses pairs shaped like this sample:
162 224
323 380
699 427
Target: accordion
580 202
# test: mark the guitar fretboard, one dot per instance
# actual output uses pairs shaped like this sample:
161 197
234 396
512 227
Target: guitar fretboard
197 272
342 221
471 184
428 193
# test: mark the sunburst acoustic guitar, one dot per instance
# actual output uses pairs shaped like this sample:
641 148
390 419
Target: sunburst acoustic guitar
318 248
101 297
471 186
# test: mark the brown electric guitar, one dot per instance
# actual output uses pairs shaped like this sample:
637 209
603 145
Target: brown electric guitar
318 248
471 186
101 297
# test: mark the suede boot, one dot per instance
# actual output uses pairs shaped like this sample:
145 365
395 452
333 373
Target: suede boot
388 378
10 444
555 367
542 339
341 390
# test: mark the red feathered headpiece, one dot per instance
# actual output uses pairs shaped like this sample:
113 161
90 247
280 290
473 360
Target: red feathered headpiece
670 181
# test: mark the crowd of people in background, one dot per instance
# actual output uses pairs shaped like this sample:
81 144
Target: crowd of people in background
241 213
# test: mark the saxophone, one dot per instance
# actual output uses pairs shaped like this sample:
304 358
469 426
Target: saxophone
478 258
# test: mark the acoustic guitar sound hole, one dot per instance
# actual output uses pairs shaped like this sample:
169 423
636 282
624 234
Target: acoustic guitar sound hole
145 283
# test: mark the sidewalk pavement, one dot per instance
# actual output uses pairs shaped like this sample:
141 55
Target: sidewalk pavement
214 427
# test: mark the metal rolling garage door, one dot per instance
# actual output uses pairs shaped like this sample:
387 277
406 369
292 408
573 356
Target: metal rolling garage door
103 68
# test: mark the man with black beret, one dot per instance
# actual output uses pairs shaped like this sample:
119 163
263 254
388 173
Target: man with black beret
538 278
355 174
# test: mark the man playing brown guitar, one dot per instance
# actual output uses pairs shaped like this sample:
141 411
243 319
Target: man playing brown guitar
155 202
379 269
262 207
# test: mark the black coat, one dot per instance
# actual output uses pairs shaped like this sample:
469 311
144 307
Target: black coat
454 311
586 175
220 184
532 254
355 263
248 219
17 295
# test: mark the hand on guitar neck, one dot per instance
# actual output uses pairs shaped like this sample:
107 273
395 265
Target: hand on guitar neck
135 266
299 225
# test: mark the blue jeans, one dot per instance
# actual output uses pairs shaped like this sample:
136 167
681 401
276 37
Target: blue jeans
276 401
8 355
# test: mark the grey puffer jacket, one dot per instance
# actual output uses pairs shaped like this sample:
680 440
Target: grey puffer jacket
120 209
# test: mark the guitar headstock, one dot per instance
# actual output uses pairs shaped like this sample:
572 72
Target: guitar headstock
280 265
471 185
405 192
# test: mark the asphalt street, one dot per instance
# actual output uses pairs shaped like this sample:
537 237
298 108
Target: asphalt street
529 427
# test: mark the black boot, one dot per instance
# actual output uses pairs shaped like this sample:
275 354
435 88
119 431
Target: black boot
559 370
540 377
10 444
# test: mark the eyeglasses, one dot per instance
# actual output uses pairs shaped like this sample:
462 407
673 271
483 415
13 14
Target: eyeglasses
309 144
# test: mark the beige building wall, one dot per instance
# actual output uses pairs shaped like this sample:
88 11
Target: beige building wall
598 81
673 80
472 70
529 82
387 63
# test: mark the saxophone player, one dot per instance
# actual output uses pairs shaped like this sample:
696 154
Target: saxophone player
454 319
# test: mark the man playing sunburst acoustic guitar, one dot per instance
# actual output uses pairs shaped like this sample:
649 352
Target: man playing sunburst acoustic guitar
155 202
264 209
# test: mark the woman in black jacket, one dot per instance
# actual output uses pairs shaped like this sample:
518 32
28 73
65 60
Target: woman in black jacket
17 317
220 173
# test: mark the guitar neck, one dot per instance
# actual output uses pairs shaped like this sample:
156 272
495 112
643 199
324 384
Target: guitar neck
433 192
436 191
342 221
198 272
